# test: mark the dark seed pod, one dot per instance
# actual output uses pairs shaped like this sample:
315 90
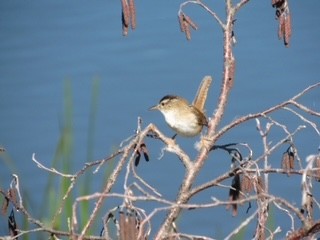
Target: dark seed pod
125 27
12 225
277 3
234 194
125 13
142 149
137 159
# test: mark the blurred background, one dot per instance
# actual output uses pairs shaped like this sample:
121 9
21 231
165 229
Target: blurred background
72 88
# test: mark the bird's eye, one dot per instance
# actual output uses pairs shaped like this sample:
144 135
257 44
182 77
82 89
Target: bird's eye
162 103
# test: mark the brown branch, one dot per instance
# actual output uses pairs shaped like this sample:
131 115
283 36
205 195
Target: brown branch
240 5
229 174
204 6
228 75
263 113
227 82
304 108
171 146
41 226
111 181
73 177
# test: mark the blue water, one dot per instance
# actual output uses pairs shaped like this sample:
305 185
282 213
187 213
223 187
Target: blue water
45 44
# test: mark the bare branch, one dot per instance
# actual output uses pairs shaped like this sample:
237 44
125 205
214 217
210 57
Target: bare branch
263 113
204 6
52 170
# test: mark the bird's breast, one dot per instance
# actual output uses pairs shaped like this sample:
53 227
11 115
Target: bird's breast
185 124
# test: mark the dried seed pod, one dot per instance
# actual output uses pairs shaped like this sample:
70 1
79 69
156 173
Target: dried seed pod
187 30
285 163
234 194
234 206
287 29
137 159
138 151
190 22
13 195
132 10
317 165
137 155
246 184
281 26
124 26
284 18
185 23
12 225
125 13
144 149
181 22
125 17
5 206
127 226
260 185
291 159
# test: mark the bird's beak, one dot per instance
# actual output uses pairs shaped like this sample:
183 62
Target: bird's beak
156 107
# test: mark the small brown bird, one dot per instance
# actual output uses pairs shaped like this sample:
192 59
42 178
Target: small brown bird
184 118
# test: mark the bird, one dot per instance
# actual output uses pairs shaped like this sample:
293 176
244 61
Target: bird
184 118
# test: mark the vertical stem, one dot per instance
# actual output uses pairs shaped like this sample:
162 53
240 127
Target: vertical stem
228 73
111 181
263 202
227 82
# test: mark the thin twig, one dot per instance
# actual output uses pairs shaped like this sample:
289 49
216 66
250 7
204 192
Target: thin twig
52 170
212 13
